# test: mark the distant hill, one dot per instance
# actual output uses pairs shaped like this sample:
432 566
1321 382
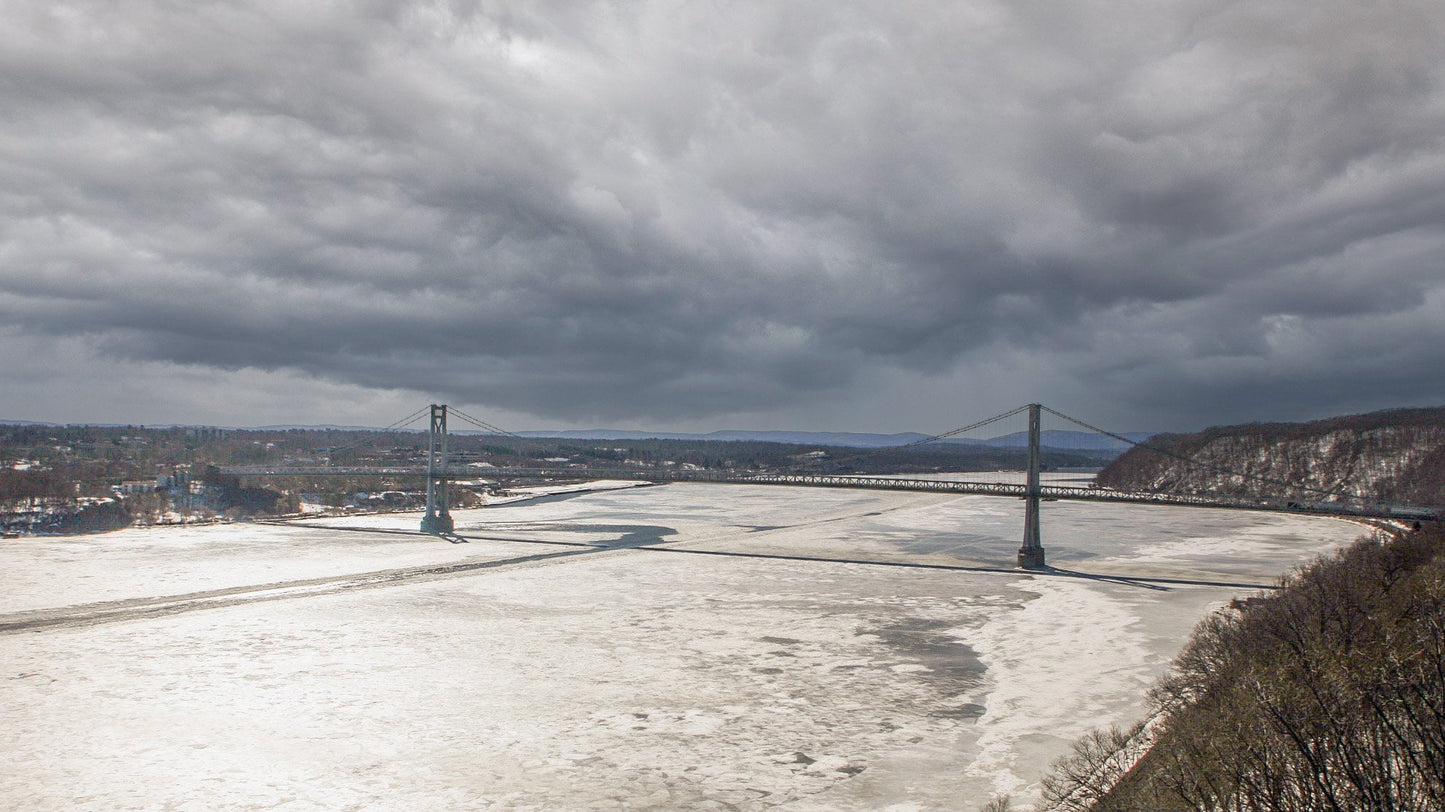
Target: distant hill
833 438
1062 440
318 427
1071 440
1394 456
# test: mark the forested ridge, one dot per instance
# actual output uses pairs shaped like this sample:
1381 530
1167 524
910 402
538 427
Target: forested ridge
1395 456
1328 694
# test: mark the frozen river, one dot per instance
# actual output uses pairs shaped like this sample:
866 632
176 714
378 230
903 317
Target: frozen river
665 647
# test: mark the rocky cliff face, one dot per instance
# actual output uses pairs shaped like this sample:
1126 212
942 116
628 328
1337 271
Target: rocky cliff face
1396 456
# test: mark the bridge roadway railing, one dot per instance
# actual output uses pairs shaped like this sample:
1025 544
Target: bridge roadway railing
888 483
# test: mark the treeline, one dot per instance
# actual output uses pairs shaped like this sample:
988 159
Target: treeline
1328 694
763 455
94 518
21 486
64 471
60 457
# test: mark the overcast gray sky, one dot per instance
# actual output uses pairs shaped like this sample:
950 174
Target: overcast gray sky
799 215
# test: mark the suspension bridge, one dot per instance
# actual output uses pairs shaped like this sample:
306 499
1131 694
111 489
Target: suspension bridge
442 469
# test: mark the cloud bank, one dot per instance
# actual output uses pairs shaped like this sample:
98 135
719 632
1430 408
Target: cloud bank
810 215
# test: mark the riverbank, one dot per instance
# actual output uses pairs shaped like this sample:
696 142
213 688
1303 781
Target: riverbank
118 520
1327 693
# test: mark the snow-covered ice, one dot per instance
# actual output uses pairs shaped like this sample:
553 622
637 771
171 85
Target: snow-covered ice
664 647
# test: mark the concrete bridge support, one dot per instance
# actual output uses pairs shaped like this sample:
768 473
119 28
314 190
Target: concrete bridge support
1031 554
438 517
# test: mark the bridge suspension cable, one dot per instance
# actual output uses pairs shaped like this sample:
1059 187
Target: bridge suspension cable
409 419
1208 466
944 436
925 441
422 412
482 424
400 424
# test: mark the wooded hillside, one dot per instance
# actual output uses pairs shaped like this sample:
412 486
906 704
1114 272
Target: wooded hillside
1326 695
1395 456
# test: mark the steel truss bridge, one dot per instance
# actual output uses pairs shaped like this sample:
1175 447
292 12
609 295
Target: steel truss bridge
439 473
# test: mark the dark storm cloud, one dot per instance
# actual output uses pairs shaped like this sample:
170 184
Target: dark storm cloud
1204 210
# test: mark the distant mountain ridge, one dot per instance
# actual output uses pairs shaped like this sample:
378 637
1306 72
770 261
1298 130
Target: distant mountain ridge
1080 440
1395 457
833 438
1059 439
1074 440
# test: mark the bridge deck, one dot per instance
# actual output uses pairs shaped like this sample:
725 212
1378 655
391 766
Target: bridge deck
888 483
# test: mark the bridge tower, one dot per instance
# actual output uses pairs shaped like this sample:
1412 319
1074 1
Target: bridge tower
1031 555
438 518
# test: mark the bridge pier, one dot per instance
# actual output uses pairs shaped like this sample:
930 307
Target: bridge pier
438 517
1031 554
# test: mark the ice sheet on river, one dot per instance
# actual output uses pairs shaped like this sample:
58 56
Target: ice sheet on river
654 648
